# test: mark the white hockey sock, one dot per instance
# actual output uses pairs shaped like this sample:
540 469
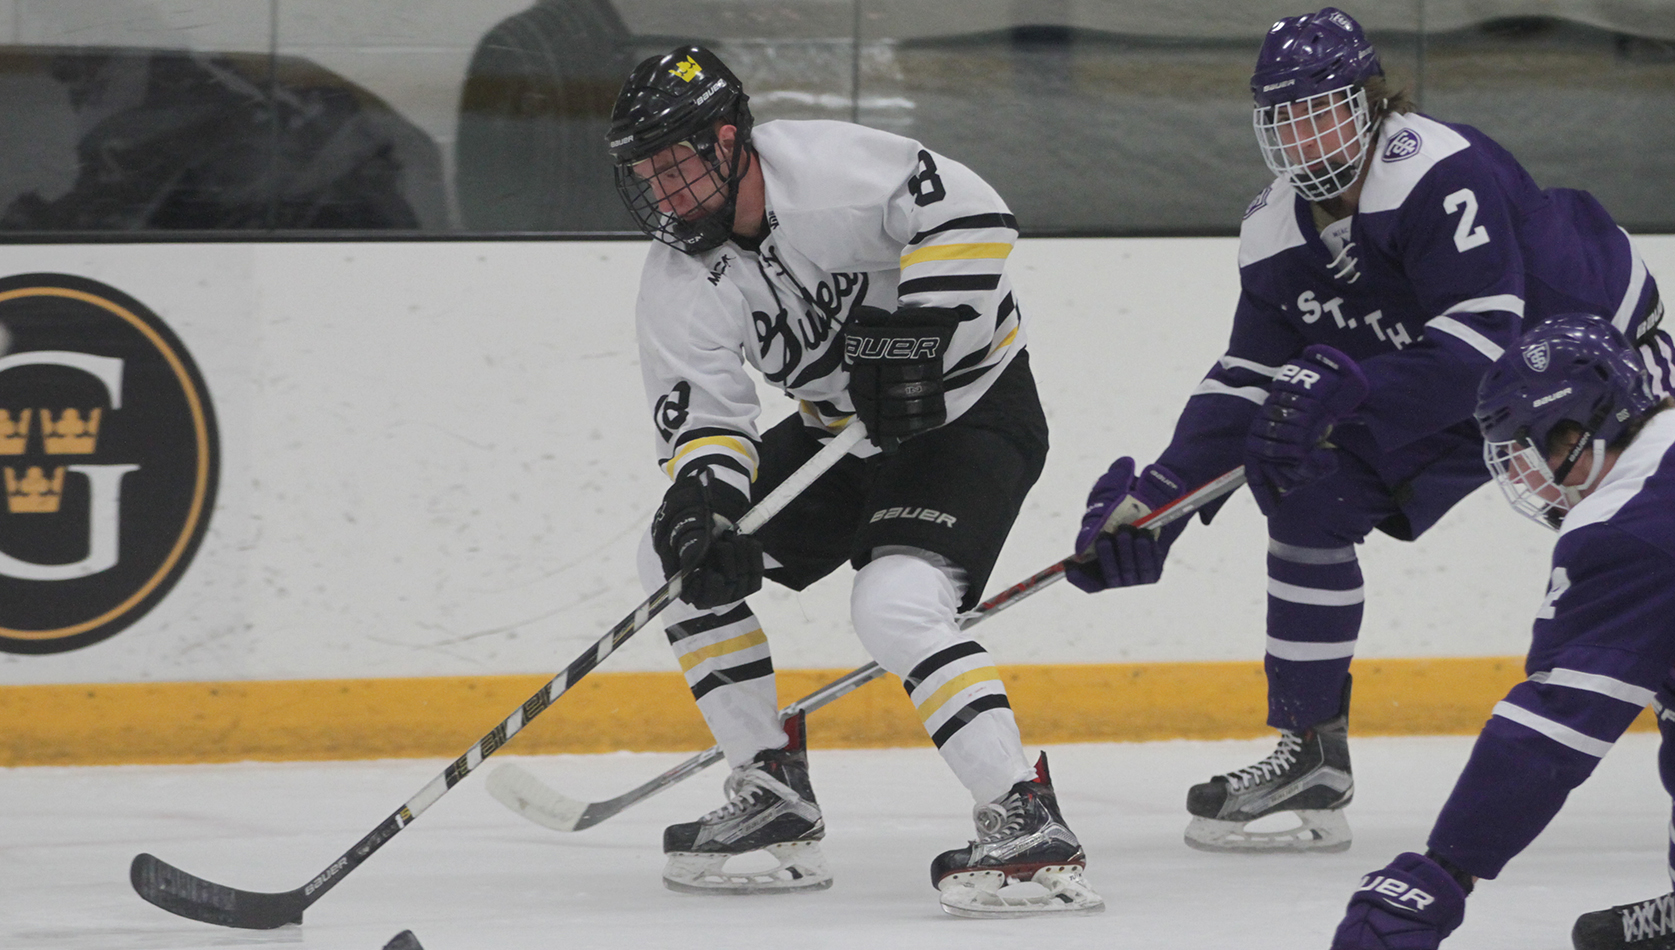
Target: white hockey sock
903 607
724 655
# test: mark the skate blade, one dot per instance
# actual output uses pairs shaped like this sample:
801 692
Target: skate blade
802 867
1059 889
1322 830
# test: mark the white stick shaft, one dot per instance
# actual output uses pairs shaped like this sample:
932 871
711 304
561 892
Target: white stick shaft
817 465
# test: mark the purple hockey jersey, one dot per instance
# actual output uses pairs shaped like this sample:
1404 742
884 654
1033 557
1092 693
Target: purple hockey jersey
1451 253
1603 646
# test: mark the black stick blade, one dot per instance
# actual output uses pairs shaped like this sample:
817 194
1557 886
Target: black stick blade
193 897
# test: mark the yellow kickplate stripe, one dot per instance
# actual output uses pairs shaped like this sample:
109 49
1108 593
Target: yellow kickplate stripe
743 641
957 252
946 691
443 716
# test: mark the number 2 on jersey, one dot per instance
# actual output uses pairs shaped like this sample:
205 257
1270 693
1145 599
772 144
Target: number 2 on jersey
1466 237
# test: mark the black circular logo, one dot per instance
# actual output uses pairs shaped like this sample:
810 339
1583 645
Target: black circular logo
109 457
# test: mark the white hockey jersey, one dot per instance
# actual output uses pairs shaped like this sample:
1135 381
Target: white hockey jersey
854 216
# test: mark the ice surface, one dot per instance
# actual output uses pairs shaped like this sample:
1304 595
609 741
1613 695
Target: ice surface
470 874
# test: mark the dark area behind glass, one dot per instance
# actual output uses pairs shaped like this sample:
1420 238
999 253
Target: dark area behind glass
1082 131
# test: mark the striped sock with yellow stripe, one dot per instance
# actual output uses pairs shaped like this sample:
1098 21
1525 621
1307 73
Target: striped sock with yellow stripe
904 607
725 658
962 702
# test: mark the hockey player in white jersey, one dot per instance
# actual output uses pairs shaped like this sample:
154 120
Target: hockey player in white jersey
864 275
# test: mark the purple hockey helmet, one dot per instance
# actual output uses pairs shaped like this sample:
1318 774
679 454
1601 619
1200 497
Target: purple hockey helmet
1573 368
1312 118
1307 55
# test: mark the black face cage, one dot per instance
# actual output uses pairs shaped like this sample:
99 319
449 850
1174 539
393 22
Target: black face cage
697 234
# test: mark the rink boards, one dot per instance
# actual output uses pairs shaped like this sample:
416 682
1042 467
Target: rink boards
431 467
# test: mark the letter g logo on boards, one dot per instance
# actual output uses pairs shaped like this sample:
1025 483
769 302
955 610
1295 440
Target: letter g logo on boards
109 458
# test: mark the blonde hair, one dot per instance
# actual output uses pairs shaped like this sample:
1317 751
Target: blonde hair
1383 102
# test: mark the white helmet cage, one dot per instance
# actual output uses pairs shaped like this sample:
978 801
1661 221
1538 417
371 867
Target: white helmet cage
1529 483
1319 143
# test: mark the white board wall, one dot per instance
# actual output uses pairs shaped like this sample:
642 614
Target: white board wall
436 461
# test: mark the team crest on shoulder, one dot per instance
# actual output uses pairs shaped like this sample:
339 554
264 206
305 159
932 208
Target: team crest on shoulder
1537 357
1404 144
1260 202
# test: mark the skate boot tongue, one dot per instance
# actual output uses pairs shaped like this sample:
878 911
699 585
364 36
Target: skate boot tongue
996 820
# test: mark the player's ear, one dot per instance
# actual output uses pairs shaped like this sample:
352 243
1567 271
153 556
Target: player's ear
726 137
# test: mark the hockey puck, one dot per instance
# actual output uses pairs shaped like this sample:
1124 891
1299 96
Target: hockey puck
403 941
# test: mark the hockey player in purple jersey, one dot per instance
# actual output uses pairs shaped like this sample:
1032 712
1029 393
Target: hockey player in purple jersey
1577 441
863 275
1391 261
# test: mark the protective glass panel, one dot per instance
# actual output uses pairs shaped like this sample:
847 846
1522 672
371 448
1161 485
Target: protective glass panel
129 117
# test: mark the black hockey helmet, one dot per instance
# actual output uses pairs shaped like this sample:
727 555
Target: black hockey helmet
681 98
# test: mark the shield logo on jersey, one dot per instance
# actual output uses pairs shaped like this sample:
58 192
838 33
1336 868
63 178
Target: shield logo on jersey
109 460
1260 202
1404 144
1537 357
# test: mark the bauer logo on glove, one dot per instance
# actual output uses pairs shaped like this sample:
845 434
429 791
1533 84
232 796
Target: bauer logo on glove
895 368
856 347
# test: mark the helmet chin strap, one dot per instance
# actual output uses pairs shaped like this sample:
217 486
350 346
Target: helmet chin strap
1584 439
1595 470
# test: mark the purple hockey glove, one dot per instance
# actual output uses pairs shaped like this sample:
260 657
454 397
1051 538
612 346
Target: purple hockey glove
1410 905
1119 555
1286 448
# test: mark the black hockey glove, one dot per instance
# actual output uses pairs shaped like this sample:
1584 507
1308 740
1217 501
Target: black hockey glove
895 368
721 567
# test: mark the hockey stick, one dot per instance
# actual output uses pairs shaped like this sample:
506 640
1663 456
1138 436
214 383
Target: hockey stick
527 795
181 893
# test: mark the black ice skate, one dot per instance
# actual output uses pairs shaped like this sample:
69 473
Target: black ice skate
770 808
1648 925
1021 839
1308 776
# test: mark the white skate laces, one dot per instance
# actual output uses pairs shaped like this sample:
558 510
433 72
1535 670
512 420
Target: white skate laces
1272 767
995 821
1646 925
1648 919
743 788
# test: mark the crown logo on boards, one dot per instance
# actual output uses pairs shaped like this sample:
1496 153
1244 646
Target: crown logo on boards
71 434
34 493
14 433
